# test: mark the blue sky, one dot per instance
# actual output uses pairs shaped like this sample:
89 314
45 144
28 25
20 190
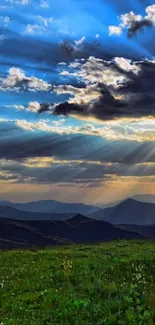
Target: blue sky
76 99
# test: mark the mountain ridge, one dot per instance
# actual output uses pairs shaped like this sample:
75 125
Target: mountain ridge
51 206
129 211
20 233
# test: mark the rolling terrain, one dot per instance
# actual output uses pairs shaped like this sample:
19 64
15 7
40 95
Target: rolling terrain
13 213
109 283
78 229
51 206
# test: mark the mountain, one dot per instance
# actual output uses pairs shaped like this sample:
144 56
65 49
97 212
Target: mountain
50 206
13 213
79 229
128 212
147 231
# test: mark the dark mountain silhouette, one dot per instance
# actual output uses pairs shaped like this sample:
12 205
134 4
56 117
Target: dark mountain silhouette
128 212
79 229
147 231
50 206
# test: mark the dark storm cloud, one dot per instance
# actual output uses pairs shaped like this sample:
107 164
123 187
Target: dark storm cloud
138 93
104 108
44 107
136 26
71 172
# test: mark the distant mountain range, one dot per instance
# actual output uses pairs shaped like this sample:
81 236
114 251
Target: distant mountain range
129 212
79 229
50 206
13 213
46 223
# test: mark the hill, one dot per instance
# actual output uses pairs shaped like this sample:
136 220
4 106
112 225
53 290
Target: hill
108 283
146 231
79 229
50 206
128 212
13 213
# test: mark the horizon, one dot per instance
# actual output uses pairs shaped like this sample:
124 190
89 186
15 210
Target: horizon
87 203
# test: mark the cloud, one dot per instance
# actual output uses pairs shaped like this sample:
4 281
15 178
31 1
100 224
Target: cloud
105 107
17 107
96 70
33 107
18 2
115 30
45 21
2 38
80 41
134 23
125 90
34 29
42 25
48 170
16 80
5 21
128 19
79 95
44 4
138 25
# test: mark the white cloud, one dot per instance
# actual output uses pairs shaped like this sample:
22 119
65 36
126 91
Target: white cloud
45 21
18 107
150 10
80 95
97 70
42 25
44 4
115 30
17 80
18 2
127 65
5 20
80 41
33 107
128 19
2 38
97 35
138 130
34 29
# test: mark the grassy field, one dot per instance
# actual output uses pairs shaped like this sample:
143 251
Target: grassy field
109 283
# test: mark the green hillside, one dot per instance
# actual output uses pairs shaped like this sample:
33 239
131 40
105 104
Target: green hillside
109 283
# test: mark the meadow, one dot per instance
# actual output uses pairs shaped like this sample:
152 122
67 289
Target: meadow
107 283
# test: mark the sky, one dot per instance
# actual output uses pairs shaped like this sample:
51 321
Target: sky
77 100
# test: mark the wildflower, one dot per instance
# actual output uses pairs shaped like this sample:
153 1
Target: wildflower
67 266
1 286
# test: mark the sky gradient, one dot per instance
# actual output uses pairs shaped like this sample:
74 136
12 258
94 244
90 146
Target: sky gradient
77 100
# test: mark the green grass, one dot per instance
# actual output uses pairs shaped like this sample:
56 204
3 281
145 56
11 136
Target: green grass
109 283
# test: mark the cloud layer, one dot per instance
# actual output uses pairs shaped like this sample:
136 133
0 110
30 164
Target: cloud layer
125 90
